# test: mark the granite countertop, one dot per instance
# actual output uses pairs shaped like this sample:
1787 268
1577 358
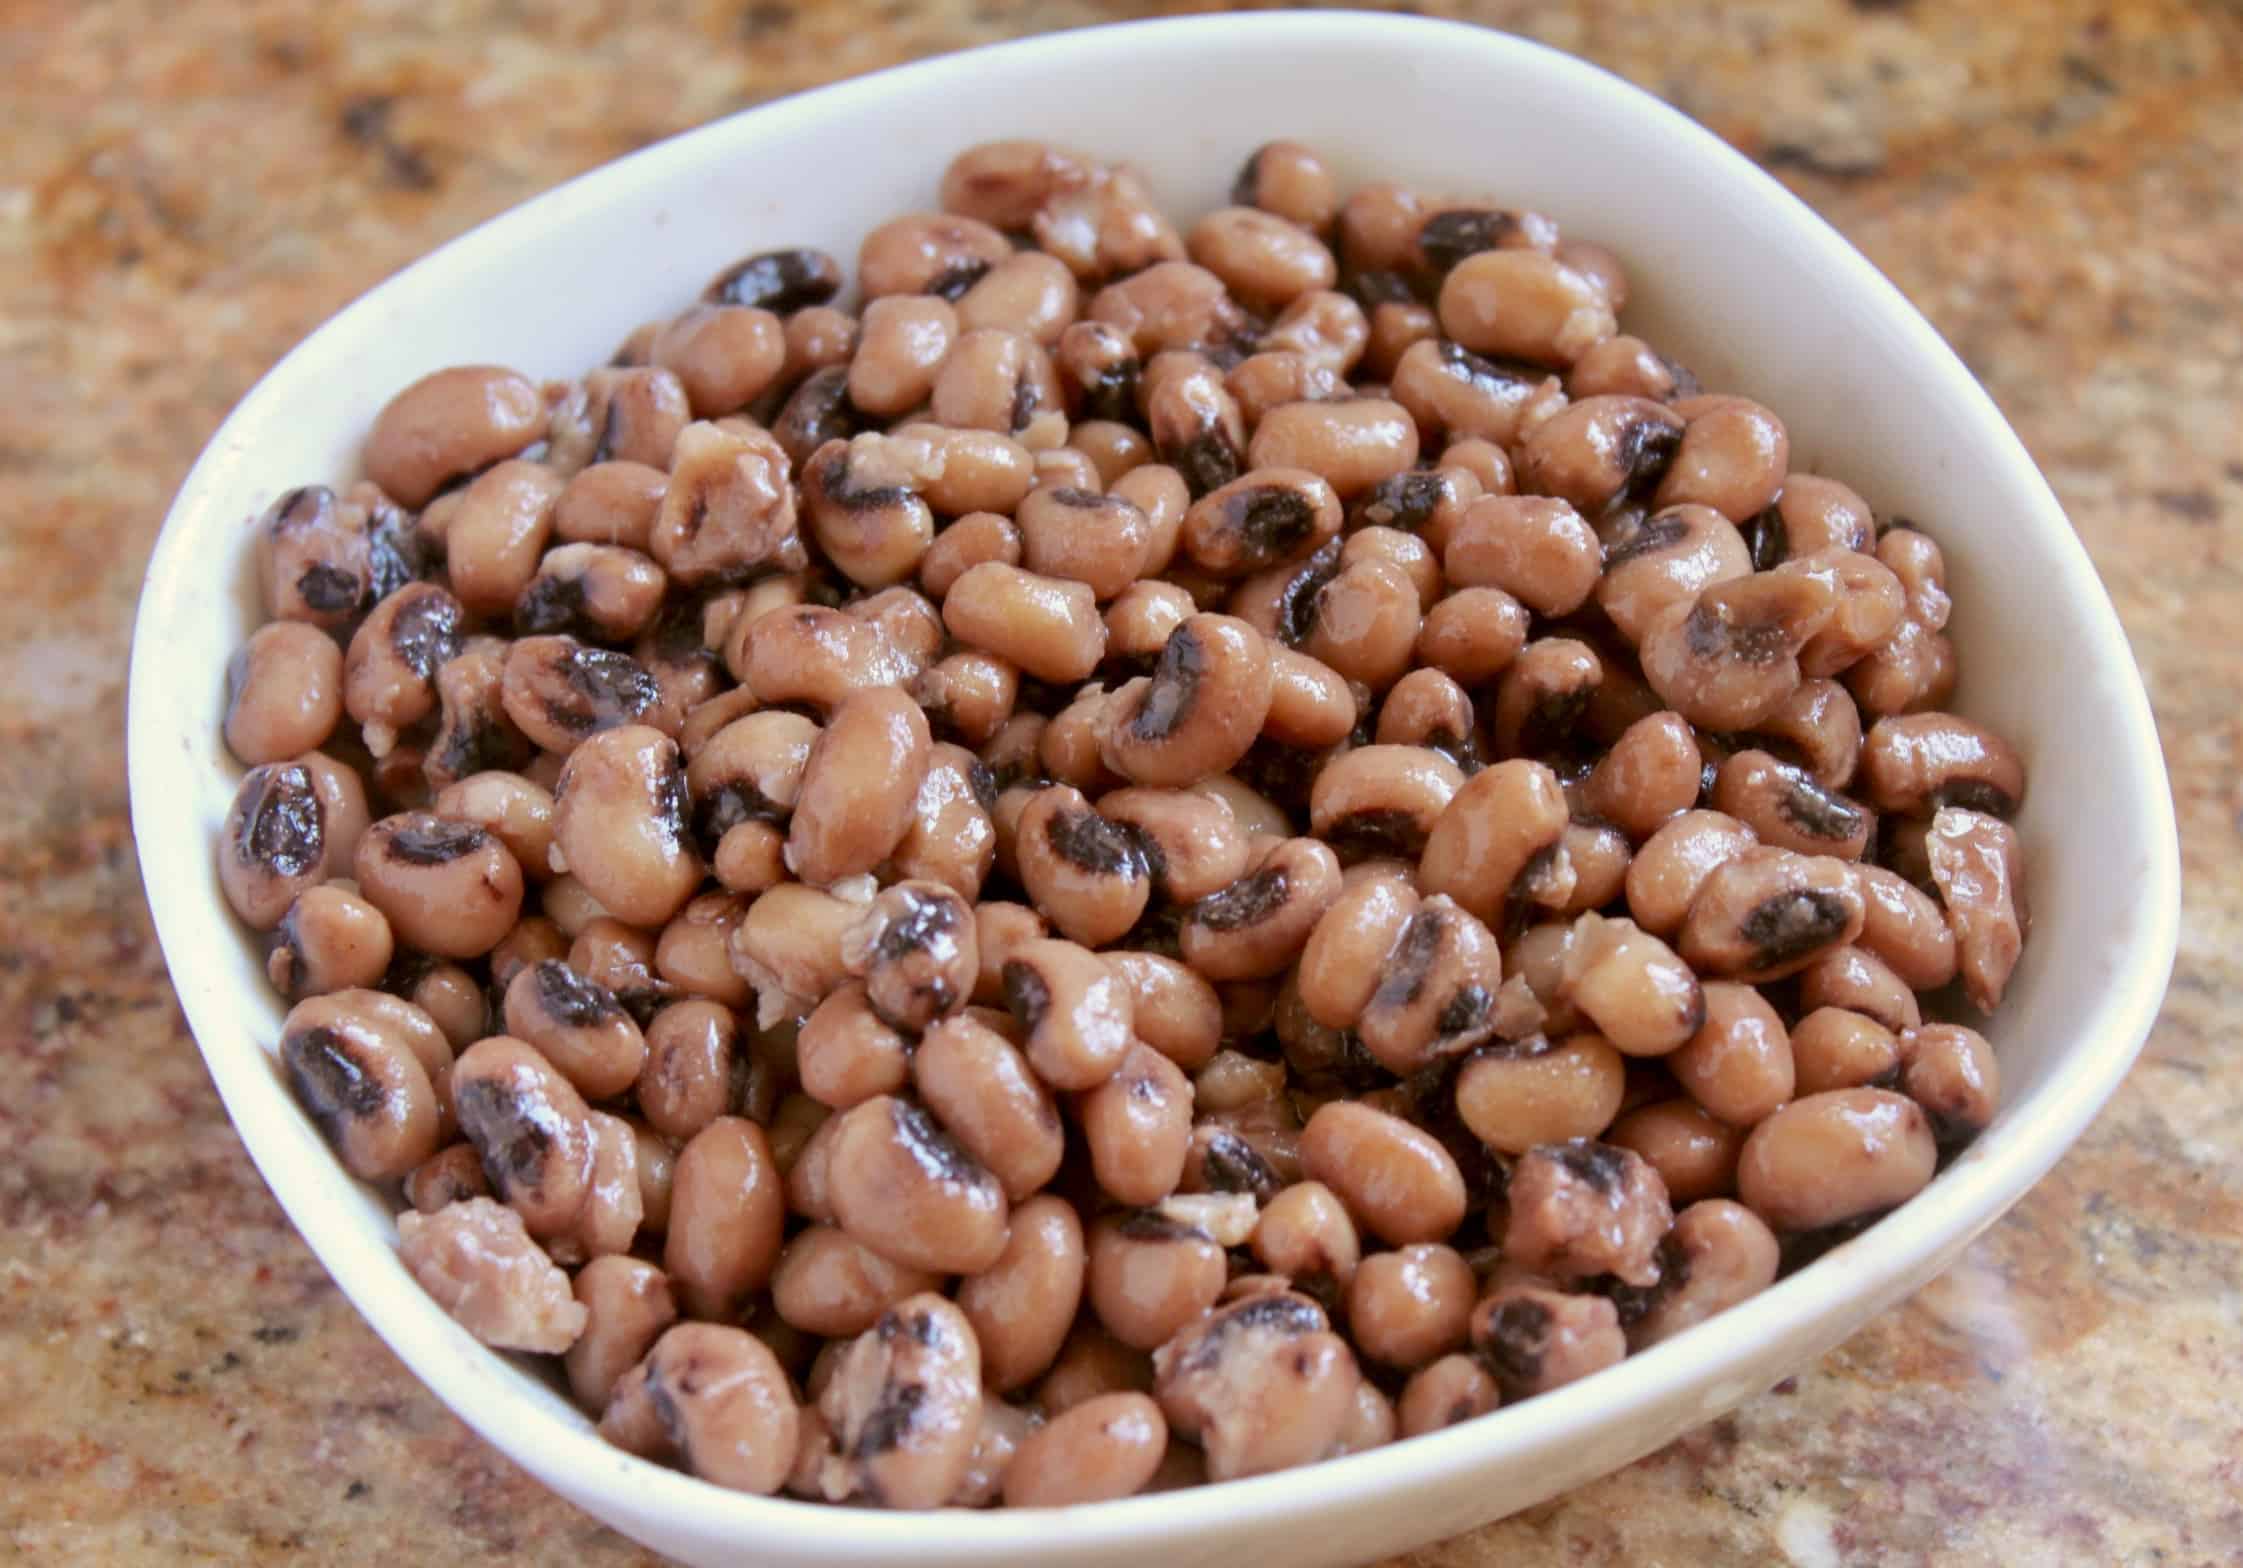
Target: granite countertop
191 188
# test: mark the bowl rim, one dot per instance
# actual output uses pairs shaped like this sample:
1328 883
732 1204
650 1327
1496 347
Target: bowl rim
1966 1197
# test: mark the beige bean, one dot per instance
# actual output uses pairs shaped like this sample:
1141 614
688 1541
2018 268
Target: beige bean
1022 1306
1395 1178
727 1213
1832 1157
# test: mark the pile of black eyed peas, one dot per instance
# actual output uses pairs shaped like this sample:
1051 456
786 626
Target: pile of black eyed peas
1154 857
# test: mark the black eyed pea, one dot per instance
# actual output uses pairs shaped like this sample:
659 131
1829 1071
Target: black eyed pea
965 543
1651 775
1148 1276
727 1213
1435 990
1022 1306
1977 868
497 535
1542 695
1265 261
1177 305
715 1399
1262 1383
1426 503
474 733
1533 547
980 1088
605 592
696 1068
1365 622
928 253
859 786
632 413
968 696
1640 995
1923 761
1324 327
1106 1447
1200 710
1289 180
1535 1339
578 1026
1311 705
610 503
607 952
315 558
513 809
728 511
359 1063
1819 728
1739 1064
1601 451
273 848
476 1261
952 841
1517 1095
620 824
1269 517
1583 1208
1768 913
1444 1392
531 1128
1174 1009
1950 1071
1728 660
1395 1178
1382 800
1412 1306
1220 1161
914 948
994 379
1454 229
818 409
1266 381
1472 635
1911 673
1453 394
828 1285
783 282
448 888
1599 855
1733 457
1078 536
904 1405
749 772
1858 980
449 424
1085 873
1114 449
627 1305
1196 424
1626 366
846 1052
454 998
1834 1048
284 692
1828 1158
1727 1254
1499 834
693 952
1045 626
788 947
1306 1239
559 692
905 1188
1868 605
331 939
1028 293
1258 925
1137 1126
1353 445
389 670
1694 1153
900 349
451 1175
864 510
1192 843
1674 862
1523 304
1077 1015
1427 708
724 356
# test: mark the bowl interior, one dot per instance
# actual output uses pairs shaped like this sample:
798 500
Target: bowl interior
1729 274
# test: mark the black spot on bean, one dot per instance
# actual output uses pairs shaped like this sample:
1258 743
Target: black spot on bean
1633 1303
333 1085
1297 604
1767 540
1465 1013
1277 1313
924 923
1174 689
1599 1165
435 842
833 476
570 997
672 803
952 282
1406 501
1491 376
1793 924
889 1421
1246 902
781 281
1660 532
671 1418
983 783
730 804
1819 812
1375 833
1086 840
1376 286
608 689
1645 448
1447 238
1025 401
1516 1337
327 588
1708 636
1152 1225
513 1132
551 603
284 828
396 555
935 1151
818 411
1112 392
477 744
1271 521
1207 461
1976 795
1249 180
426 633
1026 995
1230 1164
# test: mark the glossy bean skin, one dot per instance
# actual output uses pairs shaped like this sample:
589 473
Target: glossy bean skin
1411 1306
578 1026
1739 1064
1137 1126
620 822
532 1129
330 939
274 847
1149 1276
826 1284
1104 1448
696 1068
716 1399
1444 1392
1835 1156
628 1304
983 1092
1770 913
1087 875
1022 1306
1490 834
1200 709
448 888
1582 1208
1262 1382
1952 1073
726 1216
1835 1048
1517 1095
1076 1016
1252 929
1534 1339
903 1187
846 1052
1694 1154
1728 1256
1396 1179
354 1060
859 785
449 423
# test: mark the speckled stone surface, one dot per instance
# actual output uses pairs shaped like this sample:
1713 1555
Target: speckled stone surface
188 188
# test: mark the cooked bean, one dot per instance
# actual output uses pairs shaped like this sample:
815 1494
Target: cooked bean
360 1063
1732 458
1076 1014
1395 1178
1833 1048
1428 503
1533 1339
1311 705
1365 621
611 503
1819 726
789 948
904 1406
1265 261
316 557
451 1175
331 939
613 1205
518 813
727 1211
1434 989
1255 927
1666 560
1136 1126
1073 535
1976 867
1305 1238
1856 979
846 1052
578 1026
1642 997
964 544
1950 1071
728 512
1455 229
1045 626
1534 548
724 355
1726 1255
1262 1383
620 824
1498 835
1444 1392
531 1128
781 281
1914 671
273 848
1517 1095
1107 1447
1027 292
1352 445
826 1284
716 1399
1266 518
446 887
858 786
1921 762
1451 392
1409 1307
1524 304
1195 422
627 1305
1769 913
1833 1157
1148 1276
1473 634
1905 929
474 733
498 533
696 1068
1729 660
284 692
450 423
1868 604
1739 1064
1675 862
905 1188
1382 800
1650 776
1694 1154
1200 709
1600 451
981 1089
1022 1305
1583 1208
1626 366
474 1259
1265 382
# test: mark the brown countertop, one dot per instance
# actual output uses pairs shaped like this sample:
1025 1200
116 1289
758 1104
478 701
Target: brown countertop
191 188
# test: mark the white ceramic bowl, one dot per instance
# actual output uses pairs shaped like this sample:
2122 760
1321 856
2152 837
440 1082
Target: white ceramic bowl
1730 273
